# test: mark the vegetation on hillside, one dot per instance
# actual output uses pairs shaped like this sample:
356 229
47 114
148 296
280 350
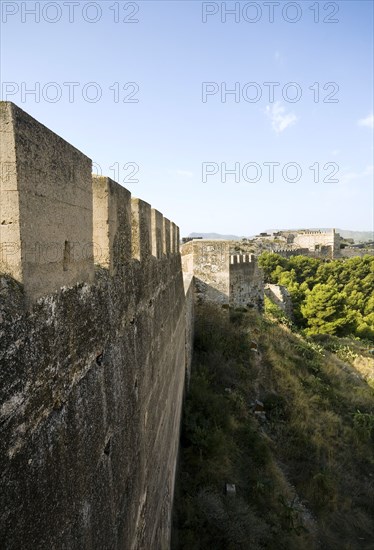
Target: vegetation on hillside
289 421
335 297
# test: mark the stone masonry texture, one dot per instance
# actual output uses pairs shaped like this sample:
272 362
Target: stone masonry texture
94 350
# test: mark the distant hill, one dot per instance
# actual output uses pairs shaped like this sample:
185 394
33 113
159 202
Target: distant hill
214 236
357 236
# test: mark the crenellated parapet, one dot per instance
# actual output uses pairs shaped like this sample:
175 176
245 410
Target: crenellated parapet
58 221
45 206
289 252
241 258
93 369
246 282
316 232
223 277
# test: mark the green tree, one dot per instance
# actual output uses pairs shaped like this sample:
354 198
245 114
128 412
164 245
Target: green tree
304 267
325 310
269 262
327 296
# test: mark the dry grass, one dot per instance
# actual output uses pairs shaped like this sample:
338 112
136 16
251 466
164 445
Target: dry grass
304 477
325 442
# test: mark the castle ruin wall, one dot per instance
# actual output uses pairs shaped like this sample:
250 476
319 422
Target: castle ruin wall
246 282
94 352
221 277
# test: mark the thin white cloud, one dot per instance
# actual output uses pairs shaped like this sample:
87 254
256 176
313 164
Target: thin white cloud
280 120
368 121
348 177
335 152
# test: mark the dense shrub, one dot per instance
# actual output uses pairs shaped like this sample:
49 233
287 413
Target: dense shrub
328 297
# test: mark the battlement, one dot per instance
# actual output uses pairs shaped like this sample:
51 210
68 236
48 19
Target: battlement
236 259
46 206
317 232
222 277
290 251
57 220
95 369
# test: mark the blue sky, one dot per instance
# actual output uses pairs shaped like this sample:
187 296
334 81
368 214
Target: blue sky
173 136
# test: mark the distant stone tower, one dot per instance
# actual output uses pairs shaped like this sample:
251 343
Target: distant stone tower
222 277
324 243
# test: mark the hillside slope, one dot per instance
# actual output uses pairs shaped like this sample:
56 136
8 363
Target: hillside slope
286 421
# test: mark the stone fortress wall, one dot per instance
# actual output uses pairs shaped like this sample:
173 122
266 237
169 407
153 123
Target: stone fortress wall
280 296
323 242
318 244
222 277
354 252
95 342
246 282
289 252
208 261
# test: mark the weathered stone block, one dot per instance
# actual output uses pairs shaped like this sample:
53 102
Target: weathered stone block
141 234
167 237
111 224
46 206
157 233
